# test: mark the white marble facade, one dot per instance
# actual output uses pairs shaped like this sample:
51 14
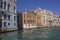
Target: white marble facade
9 17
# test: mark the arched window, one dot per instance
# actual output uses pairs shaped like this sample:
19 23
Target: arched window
8 7
4 4
14 9
1 3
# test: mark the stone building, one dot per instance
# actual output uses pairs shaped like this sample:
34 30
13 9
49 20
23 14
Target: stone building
8 17
37 18
47 18
28 19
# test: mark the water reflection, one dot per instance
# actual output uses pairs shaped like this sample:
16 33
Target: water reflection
33 34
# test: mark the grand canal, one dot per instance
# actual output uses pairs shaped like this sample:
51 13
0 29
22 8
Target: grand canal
52 33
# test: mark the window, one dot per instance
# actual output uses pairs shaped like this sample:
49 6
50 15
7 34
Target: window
58 20
24 16
54 19
33 21
29 25
1 3
8 23
5 17
14 9
15 18
44 21
4 4
5 24
14 23
8 7
24 21
8 17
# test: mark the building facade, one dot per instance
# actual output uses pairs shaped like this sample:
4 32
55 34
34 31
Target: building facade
47 17
8 14
38 18
28 19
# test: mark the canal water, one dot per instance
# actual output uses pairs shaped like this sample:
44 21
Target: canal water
52 33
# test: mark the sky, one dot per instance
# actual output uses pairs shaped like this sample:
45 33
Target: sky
52 5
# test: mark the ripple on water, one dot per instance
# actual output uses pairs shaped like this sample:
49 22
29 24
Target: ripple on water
33 34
